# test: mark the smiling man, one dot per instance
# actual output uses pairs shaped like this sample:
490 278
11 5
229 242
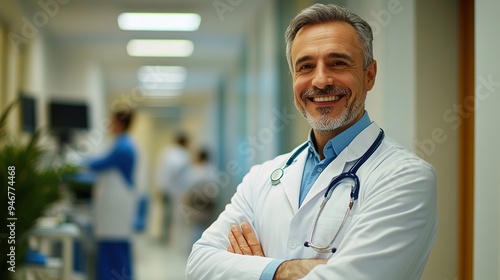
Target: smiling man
330 78
349 203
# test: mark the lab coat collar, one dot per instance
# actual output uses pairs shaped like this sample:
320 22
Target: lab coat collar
292 179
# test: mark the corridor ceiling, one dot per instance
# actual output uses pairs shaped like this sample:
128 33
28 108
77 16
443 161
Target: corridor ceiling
89 28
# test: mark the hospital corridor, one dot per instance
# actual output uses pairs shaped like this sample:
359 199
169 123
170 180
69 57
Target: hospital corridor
332 138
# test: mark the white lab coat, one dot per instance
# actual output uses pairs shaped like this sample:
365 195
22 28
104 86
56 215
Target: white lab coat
115 204
388 235
173 172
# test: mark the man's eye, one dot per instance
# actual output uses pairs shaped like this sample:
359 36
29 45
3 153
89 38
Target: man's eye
305 67
339 63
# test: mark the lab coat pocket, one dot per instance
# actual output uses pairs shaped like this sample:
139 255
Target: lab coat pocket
332 216
326 230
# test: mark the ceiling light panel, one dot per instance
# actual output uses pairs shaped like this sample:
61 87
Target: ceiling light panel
160 48
159 21
145 72
162 77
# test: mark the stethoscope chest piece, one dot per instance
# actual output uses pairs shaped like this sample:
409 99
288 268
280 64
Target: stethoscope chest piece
278 173
276 176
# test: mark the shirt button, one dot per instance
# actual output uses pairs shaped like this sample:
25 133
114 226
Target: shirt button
292 244
319 169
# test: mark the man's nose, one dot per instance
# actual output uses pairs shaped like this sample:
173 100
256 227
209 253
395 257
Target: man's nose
322 77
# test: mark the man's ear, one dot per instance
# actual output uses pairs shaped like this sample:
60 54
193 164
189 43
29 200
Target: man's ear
370 74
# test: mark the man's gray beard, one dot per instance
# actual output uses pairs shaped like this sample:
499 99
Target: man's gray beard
325 123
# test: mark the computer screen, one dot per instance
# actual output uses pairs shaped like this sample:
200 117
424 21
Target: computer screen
68 115
28 113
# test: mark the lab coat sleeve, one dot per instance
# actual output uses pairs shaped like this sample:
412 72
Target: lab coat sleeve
209 258
391 235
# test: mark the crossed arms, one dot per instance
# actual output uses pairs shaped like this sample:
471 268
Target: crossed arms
244 242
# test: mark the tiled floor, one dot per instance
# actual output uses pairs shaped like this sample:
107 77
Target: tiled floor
157 261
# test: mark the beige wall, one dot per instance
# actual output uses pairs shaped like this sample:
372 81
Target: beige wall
436 136
12 82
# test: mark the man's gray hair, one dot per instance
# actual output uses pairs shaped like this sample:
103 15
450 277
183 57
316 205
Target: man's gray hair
320 13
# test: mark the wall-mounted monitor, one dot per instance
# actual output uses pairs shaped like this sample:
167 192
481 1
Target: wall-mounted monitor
28 113
65 115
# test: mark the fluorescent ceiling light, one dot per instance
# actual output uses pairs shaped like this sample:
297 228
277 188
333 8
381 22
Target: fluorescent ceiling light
160 48
162 77
162 93
159 21
163 74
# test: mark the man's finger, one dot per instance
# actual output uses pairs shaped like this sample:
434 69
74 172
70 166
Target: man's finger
242 243
234 244
230 248
251 240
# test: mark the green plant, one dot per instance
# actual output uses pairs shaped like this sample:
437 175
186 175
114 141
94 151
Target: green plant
27 189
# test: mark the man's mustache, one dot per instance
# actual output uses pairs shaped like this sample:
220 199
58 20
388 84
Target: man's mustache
327 90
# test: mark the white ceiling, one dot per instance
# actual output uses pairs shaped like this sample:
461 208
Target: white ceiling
89 27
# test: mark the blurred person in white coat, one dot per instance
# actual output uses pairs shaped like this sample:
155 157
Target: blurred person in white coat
349 203
172 178
114 200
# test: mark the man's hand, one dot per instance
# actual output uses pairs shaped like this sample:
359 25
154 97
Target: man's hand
244 241
295 269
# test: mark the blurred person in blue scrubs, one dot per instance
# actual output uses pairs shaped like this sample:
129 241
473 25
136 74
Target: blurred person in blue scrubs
114 201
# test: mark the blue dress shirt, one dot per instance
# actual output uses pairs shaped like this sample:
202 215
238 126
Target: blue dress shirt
314 165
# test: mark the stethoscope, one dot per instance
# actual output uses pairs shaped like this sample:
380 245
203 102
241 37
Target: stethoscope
277 174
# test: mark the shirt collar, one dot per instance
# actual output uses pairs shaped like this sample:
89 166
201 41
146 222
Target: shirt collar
338 143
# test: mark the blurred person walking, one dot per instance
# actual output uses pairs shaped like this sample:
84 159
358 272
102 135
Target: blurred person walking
172 179
114 200
199 206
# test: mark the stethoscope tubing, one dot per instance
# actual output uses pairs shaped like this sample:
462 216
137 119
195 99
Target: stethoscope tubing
278 173
351 174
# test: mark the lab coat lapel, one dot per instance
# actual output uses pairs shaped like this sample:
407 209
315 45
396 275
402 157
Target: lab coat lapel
291 180
347 157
